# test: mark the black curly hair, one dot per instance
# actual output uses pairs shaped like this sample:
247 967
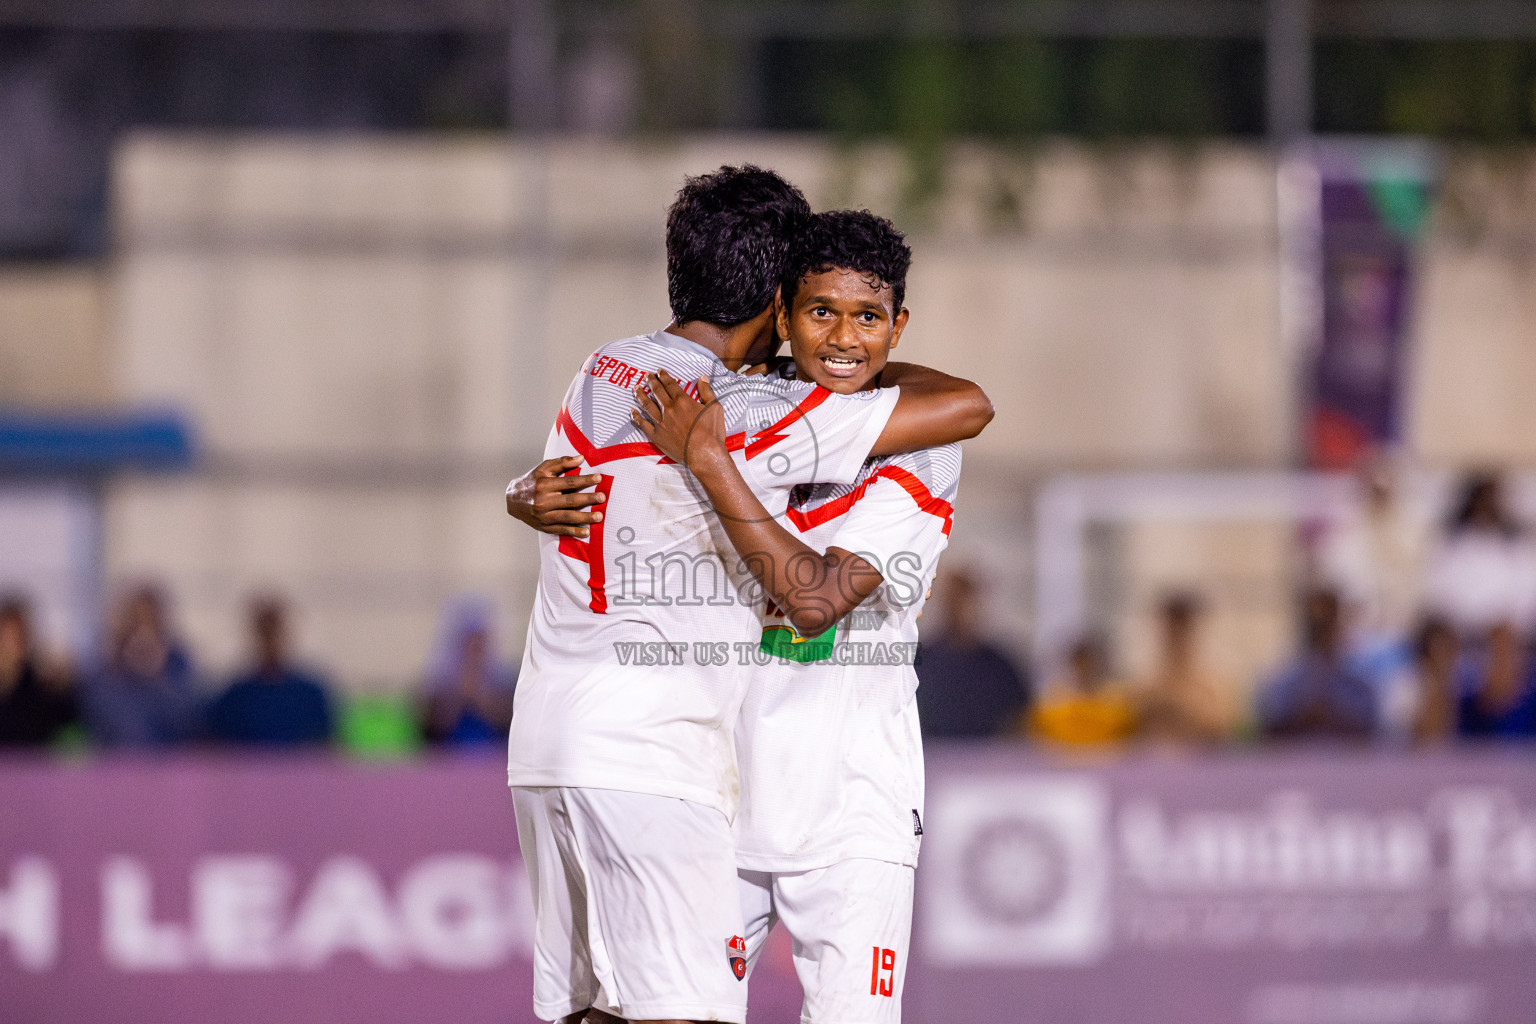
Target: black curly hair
728 235
854 240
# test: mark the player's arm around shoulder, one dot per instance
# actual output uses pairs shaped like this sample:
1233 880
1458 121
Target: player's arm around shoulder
933 409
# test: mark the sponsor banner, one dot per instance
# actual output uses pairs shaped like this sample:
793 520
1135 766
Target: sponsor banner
1306 888
1374 210
1285 889
186 890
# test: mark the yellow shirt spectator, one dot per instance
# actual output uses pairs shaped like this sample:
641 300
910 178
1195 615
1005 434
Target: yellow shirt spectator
1083 720
1085 709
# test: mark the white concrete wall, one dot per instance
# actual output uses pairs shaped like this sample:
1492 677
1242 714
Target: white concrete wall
373 335
52 336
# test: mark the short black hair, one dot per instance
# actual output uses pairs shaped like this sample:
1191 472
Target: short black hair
728 236
854 240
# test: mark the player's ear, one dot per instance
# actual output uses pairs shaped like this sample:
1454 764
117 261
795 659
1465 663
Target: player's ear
897 326
780 312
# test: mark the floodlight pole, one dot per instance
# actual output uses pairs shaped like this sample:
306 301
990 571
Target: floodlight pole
1288 69
1298 196
533 110
532 39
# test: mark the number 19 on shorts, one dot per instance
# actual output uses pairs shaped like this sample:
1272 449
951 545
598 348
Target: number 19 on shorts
882 971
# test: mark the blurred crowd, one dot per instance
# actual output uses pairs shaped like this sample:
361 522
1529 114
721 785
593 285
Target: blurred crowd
146 691
1406 634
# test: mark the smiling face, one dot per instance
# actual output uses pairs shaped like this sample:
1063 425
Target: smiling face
841 329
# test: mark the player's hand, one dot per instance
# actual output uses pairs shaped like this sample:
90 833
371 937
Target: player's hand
546 500
687 430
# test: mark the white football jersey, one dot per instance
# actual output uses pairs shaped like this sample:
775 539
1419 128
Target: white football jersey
828 742
638 646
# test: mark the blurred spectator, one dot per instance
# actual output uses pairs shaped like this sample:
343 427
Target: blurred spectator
35 705
1436 651
968 688
145 693
469 693
1498 692
1484 570
1319 694
1375 559
274 703
1084 709
1181 704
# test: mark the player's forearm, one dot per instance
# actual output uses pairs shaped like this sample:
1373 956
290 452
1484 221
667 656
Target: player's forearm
933 409
813 590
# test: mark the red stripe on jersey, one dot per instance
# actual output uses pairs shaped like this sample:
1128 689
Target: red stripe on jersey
920 494
830 510
771 436
591 550
761 441
593 455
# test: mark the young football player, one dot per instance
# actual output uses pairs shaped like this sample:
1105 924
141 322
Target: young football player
621 754
828 742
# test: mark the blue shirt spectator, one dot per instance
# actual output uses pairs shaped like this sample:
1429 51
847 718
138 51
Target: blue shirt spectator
468 699
274 704
285 708
1497 690
145 694
967 688
1319 695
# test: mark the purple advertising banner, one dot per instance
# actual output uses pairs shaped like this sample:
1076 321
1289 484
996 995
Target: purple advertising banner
1299 888
193 890
1374 209
232 891
1306 888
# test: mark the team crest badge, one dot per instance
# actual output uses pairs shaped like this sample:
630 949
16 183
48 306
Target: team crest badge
736 953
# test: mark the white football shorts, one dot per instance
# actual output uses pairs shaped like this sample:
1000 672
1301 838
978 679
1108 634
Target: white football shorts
635 905
850 924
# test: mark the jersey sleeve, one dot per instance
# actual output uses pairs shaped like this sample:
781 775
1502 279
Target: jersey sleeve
901 521
824 440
